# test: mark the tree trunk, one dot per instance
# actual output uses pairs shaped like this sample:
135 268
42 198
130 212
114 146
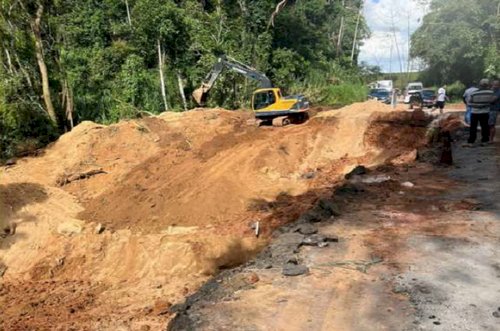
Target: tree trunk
25 73
129 19
181 90
162 80
68 104
9 61
341 31
355 36
36 26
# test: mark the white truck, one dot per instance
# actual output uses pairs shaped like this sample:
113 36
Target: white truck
412 88
385 85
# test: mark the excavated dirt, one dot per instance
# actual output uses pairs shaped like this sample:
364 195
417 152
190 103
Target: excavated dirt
114 224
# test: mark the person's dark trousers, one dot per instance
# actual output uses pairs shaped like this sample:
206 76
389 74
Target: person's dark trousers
481 119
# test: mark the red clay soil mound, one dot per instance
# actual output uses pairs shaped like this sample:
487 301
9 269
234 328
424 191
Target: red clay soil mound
210 175
398 130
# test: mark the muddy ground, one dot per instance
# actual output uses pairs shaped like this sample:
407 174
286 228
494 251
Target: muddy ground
417 251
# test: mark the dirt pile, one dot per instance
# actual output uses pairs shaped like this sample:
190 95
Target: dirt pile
139 214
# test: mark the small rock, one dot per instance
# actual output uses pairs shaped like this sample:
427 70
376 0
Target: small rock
496 314
436 323
471 201
399 289
99 229
357 171
59 262
317 239
306 218
432 317
3 269
376 179
71 227
329 206
306 229
348 189
309 175
423 289
162 307
323 244
145 327
319 214
291 269
10 162
253 278
408 184
8 230
405 158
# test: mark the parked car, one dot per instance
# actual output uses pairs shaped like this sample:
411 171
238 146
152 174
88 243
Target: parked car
429 98
381 95
422 99
411 89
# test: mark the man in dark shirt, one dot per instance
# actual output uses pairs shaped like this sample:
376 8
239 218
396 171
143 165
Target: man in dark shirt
480 102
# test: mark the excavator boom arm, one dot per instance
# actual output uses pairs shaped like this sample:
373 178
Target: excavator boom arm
223 62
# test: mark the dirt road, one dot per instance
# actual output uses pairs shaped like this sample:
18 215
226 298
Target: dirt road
419 249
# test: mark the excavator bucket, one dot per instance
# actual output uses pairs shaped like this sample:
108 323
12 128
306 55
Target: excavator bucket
198 96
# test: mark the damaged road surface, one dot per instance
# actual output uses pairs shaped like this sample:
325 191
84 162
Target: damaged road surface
424 256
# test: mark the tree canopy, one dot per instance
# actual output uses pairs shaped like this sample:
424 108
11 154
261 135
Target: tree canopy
459 40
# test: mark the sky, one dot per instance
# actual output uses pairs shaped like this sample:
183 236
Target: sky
388 21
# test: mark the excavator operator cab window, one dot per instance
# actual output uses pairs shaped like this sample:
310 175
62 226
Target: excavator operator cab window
263 99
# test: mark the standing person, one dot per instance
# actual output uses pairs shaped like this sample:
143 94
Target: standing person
480 102
495 108
466 98
441 99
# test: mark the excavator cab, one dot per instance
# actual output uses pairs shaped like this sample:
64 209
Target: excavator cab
263 99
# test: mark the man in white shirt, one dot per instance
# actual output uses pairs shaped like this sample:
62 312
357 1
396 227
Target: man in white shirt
441 99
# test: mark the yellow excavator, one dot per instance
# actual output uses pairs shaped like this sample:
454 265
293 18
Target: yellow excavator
268 104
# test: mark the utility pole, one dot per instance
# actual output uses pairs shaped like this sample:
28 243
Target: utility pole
390 60
408 55
393 28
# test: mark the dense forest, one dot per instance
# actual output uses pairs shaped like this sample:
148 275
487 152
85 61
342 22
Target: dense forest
459 41
64 61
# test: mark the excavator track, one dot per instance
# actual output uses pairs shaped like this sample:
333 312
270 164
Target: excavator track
281 121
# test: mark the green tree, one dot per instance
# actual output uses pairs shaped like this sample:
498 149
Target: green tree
456 38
